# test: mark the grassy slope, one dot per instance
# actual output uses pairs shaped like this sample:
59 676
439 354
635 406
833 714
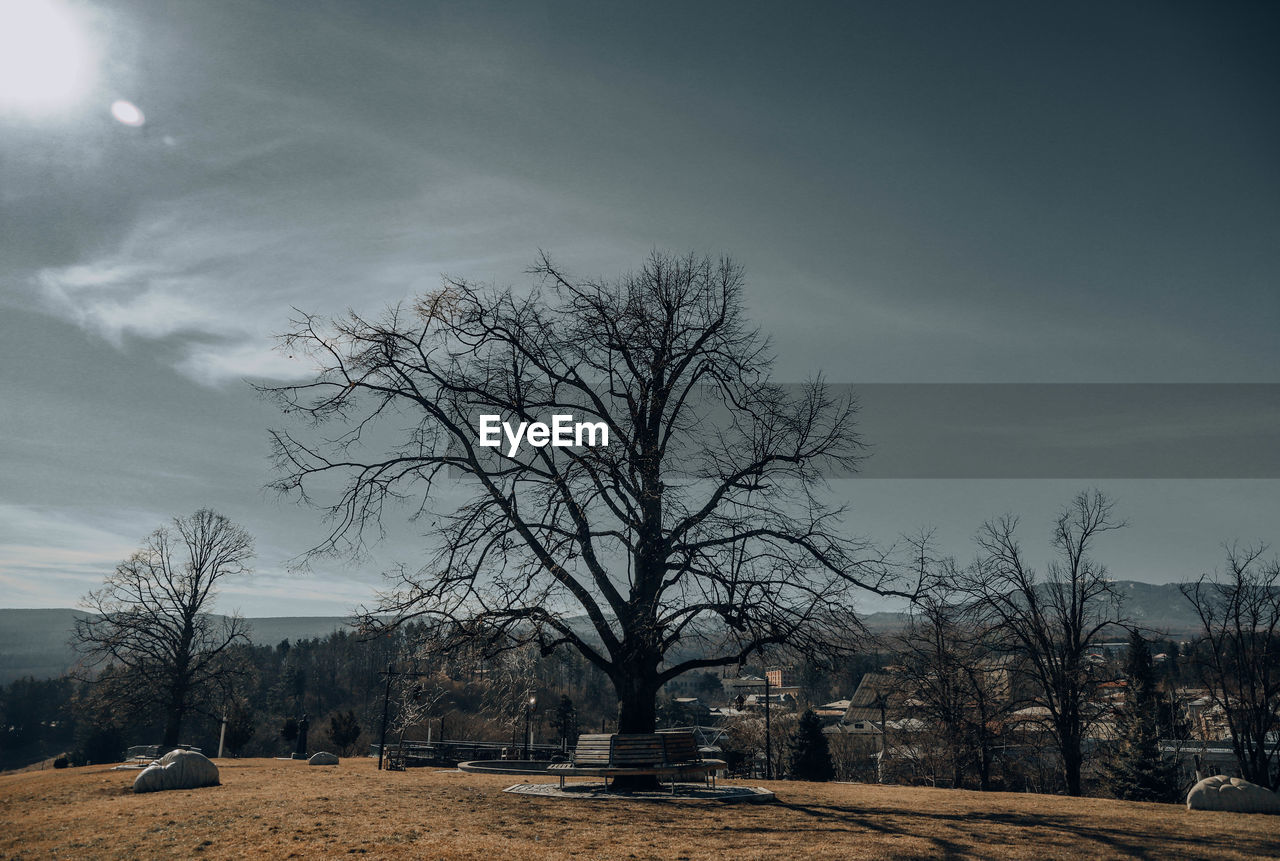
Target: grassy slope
273 809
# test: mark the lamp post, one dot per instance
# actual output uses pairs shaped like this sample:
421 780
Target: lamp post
528 725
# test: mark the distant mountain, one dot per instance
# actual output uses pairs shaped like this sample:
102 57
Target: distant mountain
1158 608
37 642
883 622
1163 608
34 643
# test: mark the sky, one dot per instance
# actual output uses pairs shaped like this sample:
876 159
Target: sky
918 192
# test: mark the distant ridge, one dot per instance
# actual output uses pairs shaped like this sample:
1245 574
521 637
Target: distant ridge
36 642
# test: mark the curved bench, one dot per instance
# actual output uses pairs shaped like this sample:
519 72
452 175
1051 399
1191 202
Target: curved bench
663 754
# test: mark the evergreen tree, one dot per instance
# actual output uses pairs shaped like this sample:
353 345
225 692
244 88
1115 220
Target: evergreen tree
344 731
810 755
241 726
565 721
1138 771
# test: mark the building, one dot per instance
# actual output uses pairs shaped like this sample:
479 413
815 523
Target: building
782 677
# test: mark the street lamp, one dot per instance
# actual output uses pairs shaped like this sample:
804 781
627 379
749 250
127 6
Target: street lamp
528 725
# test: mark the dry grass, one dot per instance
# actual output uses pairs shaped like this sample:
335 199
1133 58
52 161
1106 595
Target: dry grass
274 809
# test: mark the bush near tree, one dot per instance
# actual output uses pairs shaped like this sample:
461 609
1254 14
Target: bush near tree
344 731
289 729
241 726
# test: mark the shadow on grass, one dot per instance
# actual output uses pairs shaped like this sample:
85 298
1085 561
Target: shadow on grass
975 834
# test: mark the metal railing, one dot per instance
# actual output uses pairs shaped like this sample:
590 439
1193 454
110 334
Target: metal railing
451 752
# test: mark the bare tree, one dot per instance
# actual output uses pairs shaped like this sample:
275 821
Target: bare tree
151 617
416 701
1239 658
676 531
510 687
1054 620
951 670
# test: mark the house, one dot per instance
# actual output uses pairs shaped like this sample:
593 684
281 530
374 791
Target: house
876 696
833 711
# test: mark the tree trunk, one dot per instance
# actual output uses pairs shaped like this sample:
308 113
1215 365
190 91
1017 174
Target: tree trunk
984 768
637 713
637 706
1072 760
172 728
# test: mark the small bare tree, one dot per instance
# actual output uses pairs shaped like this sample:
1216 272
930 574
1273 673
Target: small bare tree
152 618
1053 620
510 684
952 671
1239 658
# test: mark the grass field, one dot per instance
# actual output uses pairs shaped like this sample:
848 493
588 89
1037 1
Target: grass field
279 809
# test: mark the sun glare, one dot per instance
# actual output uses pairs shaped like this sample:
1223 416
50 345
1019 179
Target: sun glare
46 62
127 113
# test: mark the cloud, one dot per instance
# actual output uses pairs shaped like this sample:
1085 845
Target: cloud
226 265
212 364
51 556
74 551
129 299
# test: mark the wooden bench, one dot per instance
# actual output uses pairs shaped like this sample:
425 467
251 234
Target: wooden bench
680 746
665 754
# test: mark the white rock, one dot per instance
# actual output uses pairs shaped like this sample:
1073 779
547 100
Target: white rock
322 758
1233 794
177 769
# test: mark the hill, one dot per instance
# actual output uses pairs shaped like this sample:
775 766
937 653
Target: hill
37 642
277 809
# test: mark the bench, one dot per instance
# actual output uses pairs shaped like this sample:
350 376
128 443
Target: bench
672 754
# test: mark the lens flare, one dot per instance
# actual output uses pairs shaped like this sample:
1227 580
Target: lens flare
127 113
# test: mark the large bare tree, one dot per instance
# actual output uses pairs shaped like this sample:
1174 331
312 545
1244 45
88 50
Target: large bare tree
694 526
1238 658
1054 619
151 618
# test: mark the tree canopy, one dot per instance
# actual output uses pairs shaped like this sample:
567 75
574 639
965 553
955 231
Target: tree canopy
703 519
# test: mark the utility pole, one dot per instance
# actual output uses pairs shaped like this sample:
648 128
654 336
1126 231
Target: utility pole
768 724
386 703
882 701
768 731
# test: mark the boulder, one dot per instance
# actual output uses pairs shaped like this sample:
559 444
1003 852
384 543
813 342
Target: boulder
322 758
1233 794
177 769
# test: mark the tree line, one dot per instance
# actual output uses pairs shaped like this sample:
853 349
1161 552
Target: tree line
969 676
